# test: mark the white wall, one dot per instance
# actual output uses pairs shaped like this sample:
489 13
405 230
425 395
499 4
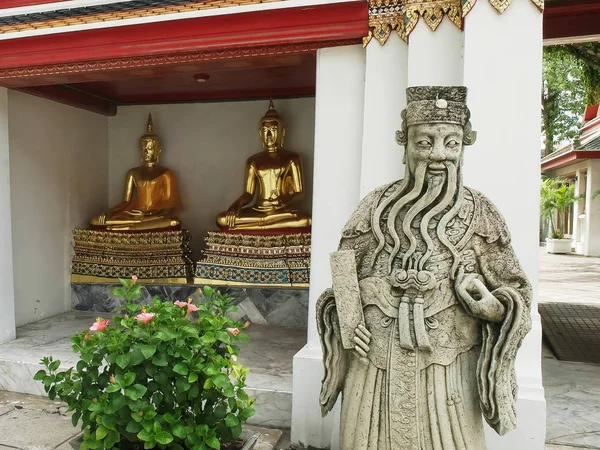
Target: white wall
206 145
58 176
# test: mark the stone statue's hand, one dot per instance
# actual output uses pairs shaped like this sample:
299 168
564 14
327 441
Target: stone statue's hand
477 298
362 339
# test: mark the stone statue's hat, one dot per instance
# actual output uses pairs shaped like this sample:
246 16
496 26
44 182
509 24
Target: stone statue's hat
437 104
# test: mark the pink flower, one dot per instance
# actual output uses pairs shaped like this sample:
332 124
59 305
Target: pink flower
233 331
190 307
134 278
87 336
144 317
99 324
112 379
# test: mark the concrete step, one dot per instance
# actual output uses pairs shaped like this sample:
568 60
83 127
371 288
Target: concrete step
269 356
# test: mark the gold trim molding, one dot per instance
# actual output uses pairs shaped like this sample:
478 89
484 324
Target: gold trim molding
403 15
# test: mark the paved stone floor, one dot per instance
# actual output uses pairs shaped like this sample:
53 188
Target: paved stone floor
569 278
572 389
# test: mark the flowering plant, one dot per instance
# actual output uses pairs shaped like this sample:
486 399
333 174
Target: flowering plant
155 377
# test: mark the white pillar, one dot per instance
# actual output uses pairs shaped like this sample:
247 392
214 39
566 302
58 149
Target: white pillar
336 192
435 58
502 70
386 79
578 235
591 245
7 295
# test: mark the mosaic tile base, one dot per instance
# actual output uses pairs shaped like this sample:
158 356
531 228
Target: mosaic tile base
269 306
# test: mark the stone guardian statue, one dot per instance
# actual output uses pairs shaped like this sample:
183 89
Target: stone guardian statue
429 304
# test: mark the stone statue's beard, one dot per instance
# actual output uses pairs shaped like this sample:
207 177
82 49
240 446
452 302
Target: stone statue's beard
441 191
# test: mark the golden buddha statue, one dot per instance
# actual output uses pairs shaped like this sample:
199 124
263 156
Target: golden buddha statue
274 177
151 199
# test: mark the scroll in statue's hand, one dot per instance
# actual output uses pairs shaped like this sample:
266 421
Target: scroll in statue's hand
362 339
477 299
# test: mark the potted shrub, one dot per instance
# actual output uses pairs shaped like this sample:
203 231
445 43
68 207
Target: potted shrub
153 376
556 196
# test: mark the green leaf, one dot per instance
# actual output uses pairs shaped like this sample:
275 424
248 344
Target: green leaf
221 380
182 384
54 365
223 336
101 432
135 392
150 444
145 436
242 395
39 375
208 292
113 438
236 431
209 337
128 379
181 369
246 413
178 430
148 350
193 377
166 335
163 437
113 388
231 420
118 401
185 353
160 360
123 361
136 357
220 412
133 427
75 418
213 442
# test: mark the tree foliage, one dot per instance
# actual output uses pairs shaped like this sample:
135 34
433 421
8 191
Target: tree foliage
571 80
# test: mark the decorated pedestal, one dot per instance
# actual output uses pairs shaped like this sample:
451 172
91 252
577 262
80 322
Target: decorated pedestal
255 259
154 256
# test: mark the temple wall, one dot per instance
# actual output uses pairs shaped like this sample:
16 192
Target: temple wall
59 179
206 145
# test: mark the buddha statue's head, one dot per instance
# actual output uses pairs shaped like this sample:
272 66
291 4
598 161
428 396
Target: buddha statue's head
272 130
150 146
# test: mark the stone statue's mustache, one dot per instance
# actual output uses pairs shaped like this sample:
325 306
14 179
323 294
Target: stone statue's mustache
432 193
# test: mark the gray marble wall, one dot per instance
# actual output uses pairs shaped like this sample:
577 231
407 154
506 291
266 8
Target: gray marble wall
265 306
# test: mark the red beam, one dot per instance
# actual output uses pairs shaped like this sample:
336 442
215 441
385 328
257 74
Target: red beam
72 97
571 19
322 23
5 4
569 157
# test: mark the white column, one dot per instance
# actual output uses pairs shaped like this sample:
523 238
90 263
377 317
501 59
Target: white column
502 69
336 192
7 296
577 210
591 245
435 58
386 79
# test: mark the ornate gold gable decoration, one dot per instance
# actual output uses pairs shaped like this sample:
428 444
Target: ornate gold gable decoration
403 15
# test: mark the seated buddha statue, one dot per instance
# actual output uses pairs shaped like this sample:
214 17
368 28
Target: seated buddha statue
274 178
151 199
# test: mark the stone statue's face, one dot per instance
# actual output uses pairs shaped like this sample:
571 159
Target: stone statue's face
150 149
434 144
271 134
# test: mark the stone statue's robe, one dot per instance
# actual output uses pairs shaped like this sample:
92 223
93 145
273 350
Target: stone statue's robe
398 399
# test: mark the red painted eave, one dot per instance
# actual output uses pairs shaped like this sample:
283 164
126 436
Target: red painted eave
320 23
5 4
571 19
568 158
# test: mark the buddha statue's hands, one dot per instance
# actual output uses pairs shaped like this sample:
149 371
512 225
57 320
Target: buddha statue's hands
102 219
476 297
231 215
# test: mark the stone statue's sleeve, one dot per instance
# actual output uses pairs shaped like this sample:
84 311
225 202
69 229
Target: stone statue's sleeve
506 280
355 234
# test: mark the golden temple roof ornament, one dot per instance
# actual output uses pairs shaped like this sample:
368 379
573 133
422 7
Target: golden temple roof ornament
403 15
